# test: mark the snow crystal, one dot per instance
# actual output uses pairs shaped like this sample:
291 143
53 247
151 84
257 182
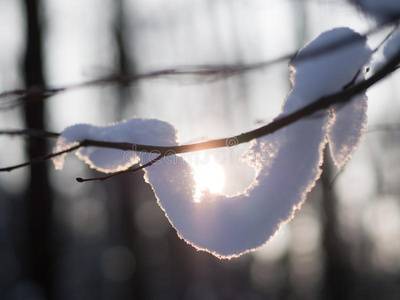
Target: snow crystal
287 163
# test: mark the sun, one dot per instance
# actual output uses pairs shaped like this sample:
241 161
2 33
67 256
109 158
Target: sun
209 176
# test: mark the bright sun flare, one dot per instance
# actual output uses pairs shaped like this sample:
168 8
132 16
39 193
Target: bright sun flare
209 176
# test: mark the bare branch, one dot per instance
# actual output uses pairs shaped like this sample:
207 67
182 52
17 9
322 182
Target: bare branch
30 133
40 159
386 38
131 170
320 104
198 73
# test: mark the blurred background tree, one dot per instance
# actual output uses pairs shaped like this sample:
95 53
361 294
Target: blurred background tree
110 240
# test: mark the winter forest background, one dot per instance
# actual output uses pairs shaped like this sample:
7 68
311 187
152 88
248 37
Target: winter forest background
109 240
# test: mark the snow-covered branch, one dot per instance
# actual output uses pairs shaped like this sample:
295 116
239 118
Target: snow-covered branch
279 123
286 153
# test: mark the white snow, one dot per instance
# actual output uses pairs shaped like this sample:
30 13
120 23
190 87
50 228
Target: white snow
328 74
136 130
287 163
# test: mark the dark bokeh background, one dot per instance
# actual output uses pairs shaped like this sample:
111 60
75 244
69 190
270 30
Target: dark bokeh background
110 240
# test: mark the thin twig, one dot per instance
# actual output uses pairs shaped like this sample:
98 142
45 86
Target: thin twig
387 37
134 170
30 133
40 159
209 72
320 104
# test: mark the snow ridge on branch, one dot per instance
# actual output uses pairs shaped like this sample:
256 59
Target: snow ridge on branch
230 226
327 103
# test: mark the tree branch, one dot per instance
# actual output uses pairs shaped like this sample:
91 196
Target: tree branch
206 72
320 104
131 170
40 159
36 133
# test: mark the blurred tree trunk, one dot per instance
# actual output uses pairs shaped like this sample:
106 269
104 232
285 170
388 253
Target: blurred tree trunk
339 278
121 193
39 260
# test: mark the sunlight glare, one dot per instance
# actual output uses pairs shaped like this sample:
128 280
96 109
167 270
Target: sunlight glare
209 176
